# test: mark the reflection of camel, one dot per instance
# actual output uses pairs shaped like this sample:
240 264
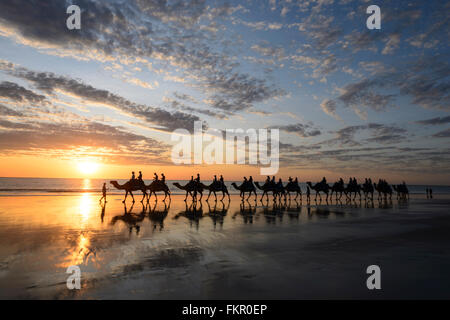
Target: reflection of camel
130 219
217 186
246 187
402 191
157 216
218 214
246 212
319 187
157 186
190 188
192 213
129 186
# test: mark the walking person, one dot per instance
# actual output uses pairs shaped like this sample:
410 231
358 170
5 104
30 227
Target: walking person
104 193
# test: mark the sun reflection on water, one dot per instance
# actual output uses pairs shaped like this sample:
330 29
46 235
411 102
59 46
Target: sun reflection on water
85 206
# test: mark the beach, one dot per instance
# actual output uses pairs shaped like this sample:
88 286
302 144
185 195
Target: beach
222 250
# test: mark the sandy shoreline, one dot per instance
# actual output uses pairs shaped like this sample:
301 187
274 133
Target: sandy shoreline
221 251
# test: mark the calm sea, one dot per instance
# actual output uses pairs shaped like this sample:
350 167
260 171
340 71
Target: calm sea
49 186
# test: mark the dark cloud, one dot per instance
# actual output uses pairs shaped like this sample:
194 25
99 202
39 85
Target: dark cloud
18 93
143 29
5 111
435 121
379 133
48 82
442 134
303 130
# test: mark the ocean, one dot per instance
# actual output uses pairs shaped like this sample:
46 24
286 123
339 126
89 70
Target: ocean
54 186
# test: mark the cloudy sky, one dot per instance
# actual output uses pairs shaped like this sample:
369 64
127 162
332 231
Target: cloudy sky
347 100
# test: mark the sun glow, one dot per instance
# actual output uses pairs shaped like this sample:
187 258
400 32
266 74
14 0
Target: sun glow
87 167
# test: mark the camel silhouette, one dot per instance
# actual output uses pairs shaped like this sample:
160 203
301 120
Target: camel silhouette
130 186
217 186
367 189
402 191
293 186
157 186
191 187
266 188
320 187
246 187
356 189
338 187
383 189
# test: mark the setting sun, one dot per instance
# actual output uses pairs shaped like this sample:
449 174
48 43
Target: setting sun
87 167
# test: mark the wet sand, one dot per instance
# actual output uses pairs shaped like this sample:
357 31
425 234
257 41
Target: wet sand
229 250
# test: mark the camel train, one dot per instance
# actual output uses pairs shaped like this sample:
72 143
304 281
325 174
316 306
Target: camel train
195 188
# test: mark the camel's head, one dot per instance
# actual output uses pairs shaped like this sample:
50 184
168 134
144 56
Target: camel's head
114 183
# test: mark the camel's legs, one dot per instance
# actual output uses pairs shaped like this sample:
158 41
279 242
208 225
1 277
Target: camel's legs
144 195
126 195
132 196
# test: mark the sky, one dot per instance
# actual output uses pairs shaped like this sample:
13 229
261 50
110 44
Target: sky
348 101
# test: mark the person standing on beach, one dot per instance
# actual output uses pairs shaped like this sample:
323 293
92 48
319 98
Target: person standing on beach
431 193
104 193
308 194
426 190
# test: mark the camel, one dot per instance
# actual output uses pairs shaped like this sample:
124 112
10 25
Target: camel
367 188
320 187
156 186
356 189
217 186
338 187
266 188
190 188
293 186
384 189
402 191
130 186
246 187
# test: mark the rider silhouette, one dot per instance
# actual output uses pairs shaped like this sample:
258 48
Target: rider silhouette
163 178
155 176
221 179
132 176
140 176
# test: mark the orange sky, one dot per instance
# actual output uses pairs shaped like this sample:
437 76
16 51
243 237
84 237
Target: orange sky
57 168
